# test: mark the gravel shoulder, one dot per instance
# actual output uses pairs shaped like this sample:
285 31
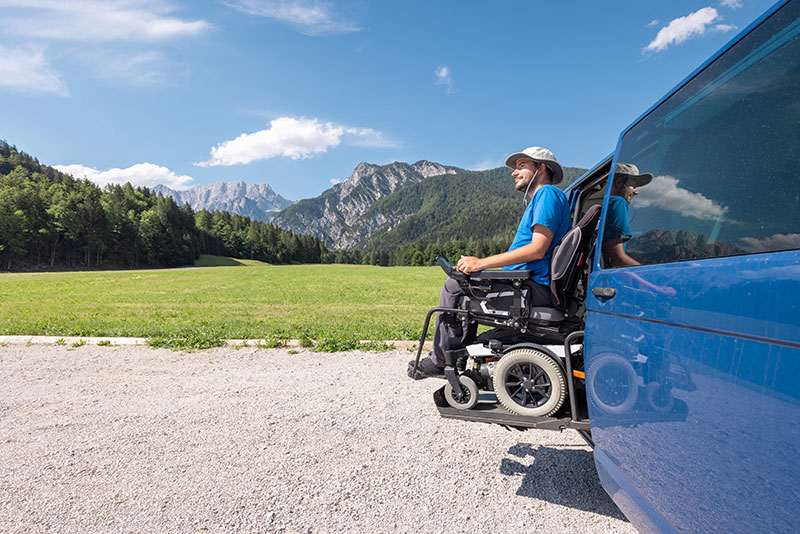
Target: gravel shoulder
130 439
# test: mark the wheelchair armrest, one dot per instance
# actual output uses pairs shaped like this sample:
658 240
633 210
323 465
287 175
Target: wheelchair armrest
499 274
489 274
449 270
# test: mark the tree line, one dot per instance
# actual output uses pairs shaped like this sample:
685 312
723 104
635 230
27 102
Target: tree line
423 254
49 219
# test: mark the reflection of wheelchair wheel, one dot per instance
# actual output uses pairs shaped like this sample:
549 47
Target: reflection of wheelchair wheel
528 382
611 383
659 397
465 399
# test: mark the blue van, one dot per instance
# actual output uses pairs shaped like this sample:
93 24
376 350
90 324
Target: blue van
687 384
710 320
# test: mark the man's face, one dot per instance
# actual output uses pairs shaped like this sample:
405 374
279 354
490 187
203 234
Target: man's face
524 172
624 189
629 191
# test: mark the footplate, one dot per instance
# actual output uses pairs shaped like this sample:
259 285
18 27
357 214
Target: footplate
496 414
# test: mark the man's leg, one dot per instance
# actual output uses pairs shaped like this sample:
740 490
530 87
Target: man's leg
540 295
450 333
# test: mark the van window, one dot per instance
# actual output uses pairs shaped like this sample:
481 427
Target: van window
724 155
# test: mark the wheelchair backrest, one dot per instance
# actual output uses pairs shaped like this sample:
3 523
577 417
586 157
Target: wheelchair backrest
569 257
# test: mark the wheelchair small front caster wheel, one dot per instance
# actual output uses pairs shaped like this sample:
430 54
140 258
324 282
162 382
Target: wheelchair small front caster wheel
659 397
465 399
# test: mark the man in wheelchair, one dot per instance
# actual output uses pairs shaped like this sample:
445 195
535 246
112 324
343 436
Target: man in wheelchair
543 225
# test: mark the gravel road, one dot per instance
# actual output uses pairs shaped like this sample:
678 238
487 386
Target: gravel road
130 439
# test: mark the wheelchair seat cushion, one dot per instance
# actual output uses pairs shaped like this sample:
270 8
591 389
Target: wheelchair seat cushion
544 314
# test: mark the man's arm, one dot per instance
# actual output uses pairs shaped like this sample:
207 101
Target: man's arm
615 251
536 249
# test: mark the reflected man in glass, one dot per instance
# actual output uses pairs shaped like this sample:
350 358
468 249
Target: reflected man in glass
617 232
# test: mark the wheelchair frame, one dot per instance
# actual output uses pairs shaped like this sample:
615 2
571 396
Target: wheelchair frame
510 331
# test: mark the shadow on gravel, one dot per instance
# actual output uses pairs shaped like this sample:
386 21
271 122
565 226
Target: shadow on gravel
565 476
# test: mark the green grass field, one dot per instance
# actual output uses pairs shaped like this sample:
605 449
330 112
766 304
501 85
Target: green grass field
225 298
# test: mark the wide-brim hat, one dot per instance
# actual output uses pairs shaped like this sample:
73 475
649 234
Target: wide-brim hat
542 155
631 172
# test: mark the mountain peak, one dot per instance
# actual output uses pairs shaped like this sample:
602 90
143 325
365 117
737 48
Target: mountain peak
333 215
258 202
429 168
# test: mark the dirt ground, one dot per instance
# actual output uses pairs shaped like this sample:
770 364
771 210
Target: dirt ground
130 439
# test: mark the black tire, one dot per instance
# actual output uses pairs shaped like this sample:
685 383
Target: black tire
611 383
467 398
659 397
529 382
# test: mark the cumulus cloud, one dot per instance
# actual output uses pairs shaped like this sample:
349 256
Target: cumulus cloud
663 192
654 22
773 242
27 70
97 20
684 28
733 4
291 138
309 17
443 77
141 174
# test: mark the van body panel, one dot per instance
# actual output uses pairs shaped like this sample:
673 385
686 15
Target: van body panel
692 361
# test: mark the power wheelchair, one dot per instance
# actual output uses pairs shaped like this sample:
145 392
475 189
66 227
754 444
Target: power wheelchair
526 358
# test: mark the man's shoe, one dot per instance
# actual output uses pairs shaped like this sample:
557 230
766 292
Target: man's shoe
425 369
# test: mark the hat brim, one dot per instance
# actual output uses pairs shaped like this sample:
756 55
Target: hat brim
639 180
554 166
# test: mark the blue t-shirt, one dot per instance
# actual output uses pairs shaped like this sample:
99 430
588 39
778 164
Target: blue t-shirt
549 207
617 225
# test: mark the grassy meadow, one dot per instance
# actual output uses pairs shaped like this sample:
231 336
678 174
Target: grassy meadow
223 298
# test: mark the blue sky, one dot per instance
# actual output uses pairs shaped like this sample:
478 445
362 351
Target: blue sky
296 93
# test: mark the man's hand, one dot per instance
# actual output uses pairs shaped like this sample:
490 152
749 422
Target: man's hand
469 264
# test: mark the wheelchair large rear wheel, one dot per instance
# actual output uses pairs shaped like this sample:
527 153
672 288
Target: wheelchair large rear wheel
611 383
529 382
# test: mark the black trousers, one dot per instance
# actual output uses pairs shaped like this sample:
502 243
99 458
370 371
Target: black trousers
451 334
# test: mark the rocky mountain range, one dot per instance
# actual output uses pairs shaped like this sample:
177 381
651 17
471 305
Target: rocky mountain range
336 216
381 206
257 201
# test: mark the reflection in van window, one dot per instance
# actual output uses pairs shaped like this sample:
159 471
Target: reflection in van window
625 186
724 155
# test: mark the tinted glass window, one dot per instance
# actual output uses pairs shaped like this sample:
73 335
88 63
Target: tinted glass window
724 154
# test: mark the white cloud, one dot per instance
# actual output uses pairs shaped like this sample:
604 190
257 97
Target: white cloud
291 138
97 20
335 181
141 174
773 242
139 68
684 28
663 192
27 70
444 77
367 137
733 4
309 17
107 33
654 22
485 165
